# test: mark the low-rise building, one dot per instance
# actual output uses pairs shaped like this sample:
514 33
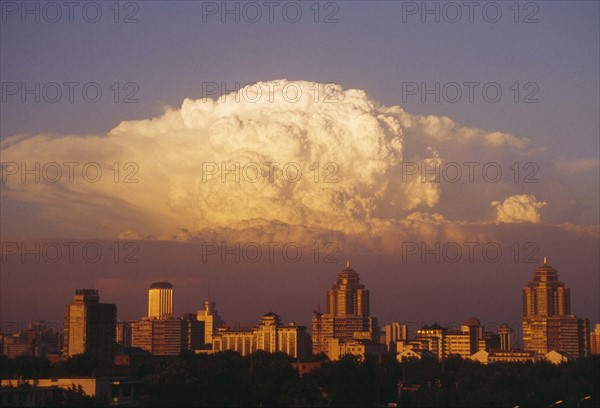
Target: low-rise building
38 340
29 396
512 356
269 335
356 347
418 354
481 356
557 357
113 390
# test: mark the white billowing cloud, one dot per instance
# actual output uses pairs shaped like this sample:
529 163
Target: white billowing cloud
519 208
444 130
327 164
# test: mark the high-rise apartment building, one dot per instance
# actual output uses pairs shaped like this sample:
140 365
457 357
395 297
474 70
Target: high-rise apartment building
548 324
89 326
160 300
211 319
393 333
123 333
595 340
168 336
160 333
347 314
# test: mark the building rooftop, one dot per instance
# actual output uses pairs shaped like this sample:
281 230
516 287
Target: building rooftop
161 285
86 292
472 321
434 326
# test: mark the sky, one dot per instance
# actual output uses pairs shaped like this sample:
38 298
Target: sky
442 150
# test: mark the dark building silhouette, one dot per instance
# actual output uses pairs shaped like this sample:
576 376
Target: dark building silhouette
89 326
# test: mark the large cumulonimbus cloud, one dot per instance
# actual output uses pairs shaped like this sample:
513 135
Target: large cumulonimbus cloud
519 208
311 155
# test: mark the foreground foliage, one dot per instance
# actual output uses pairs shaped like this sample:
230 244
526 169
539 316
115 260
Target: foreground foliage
228 379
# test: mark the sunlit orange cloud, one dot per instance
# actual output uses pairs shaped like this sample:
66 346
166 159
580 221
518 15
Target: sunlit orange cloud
306 166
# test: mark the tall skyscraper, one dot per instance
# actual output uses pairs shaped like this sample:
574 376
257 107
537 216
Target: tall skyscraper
89 326
160 300
348 297
347 314
545 295
212 321
547 320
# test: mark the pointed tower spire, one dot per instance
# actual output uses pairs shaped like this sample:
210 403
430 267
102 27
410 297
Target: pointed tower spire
347 264
545 260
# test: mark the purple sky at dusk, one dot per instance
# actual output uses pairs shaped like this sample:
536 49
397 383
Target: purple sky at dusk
351 101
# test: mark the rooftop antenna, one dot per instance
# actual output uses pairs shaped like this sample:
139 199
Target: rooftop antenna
347 264
545 260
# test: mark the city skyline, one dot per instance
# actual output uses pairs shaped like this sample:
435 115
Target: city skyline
161 294
184 302
346 333
550 330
